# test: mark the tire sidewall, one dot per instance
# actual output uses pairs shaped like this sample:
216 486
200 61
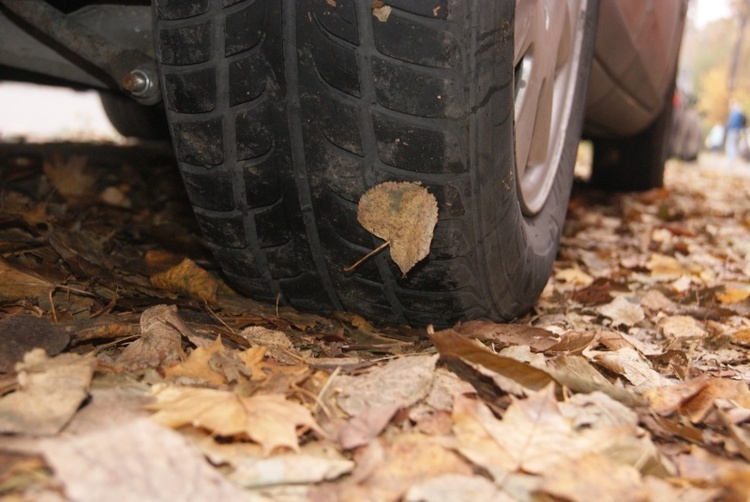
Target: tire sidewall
520 249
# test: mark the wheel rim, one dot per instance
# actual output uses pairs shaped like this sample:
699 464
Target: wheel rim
544 91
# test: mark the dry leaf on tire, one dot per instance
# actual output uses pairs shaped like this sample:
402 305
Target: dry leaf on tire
402 214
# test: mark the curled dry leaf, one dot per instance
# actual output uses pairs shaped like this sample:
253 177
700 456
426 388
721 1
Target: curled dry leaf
516 376
188 278
160 344
402 214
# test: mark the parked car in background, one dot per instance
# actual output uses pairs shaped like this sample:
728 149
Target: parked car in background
282 114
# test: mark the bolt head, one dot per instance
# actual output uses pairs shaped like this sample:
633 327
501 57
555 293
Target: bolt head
137 82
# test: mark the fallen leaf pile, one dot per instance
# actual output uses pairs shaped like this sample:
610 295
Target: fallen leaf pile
130 371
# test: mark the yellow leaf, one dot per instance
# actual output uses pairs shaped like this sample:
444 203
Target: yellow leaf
188 278
665 267
403 214
574 276
270 420
733 296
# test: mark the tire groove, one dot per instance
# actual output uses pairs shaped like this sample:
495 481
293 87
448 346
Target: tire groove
230 146
294 120
369 141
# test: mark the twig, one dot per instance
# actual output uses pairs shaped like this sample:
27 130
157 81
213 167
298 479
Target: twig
367 256
219 318
321 395
52 306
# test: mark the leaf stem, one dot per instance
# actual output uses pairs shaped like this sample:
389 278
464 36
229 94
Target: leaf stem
367 256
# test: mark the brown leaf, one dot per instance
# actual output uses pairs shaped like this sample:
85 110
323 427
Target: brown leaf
539 339
404 214
400 383
82 252
189 279
701 468
451 343
739 434
532 436
21 333
578 375
277 343
395 464
668 399
51 390
366 426
595 294
160 343
622 312
538 435
245 464
593 476
573 342
135 461
681 326
197 365
662 489
70 178
449 487
699 405
17 285
270 419
628 363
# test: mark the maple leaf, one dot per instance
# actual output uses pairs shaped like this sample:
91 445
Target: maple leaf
537 434
197 365
270 420
404 215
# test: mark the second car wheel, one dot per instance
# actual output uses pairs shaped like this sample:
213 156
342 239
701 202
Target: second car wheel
283 114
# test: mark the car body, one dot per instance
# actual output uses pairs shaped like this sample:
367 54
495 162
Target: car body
635 61
635 55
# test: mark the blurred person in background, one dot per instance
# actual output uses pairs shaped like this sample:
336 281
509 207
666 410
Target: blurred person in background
715 138
735 125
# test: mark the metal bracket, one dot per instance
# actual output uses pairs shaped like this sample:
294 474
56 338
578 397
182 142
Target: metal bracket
133 71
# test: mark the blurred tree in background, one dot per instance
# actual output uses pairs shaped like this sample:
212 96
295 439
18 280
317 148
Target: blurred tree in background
718 56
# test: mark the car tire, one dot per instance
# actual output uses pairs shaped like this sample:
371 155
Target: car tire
635 163
283 114
133 120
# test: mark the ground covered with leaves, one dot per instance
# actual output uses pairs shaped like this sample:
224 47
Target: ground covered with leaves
129 371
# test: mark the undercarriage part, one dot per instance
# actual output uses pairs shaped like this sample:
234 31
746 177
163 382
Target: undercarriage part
131 70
